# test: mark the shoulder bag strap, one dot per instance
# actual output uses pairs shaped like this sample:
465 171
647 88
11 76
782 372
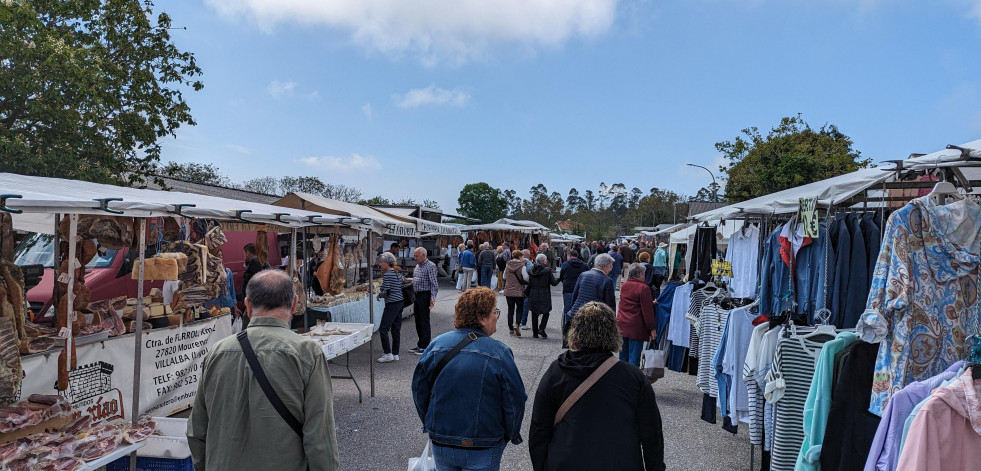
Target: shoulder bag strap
578 393
470 337
270 393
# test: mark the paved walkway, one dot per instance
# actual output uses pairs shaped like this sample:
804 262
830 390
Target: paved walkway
384 432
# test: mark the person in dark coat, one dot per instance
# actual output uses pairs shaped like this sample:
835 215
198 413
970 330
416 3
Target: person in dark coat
540 294
616 424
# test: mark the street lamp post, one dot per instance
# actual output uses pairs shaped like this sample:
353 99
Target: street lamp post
715 186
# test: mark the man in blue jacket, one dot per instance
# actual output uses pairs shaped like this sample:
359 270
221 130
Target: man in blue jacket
593 285
468 265
614 273
568 273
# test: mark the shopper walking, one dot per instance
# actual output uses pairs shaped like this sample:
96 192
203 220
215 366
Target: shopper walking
617 266
629 257
501 263
234 424
539 301
568 273
426 288
485 260
635 316
464 372
468 266
593 285
391 321
645 248
515 279
615 425
529 264
644 260
660 264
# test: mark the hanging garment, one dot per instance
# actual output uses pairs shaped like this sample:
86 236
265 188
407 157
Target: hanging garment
740 335
679 329
947 432
753 390
768 347
705 251
793 364
810 278
712 320
851 427
873 242
818 403
856 293
744 255
912 414
923 305
884 453
842 273
775 286
723 381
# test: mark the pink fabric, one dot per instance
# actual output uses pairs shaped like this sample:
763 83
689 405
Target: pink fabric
946 433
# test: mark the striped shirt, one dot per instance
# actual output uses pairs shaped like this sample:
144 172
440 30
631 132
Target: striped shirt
694 308
424 278
391 288
794 362
712 319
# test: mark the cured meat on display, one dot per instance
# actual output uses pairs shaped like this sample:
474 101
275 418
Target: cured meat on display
40 344
66 463
11 372
98 448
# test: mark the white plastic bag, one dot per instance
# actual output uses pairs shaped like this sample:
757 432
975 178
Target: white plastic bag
654 359
493 282
424 462
237 325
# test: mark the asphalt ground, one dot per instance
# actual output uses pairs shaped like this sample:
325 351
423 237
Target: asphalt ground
384 431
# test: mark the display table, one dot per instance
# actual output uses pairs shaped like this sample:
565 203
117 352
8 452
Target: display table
333 346
115 455
352 312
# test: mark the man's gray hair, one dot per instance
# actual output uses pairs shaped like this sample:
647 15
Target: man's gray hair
637 270
270 289
603 260
388 258
541 258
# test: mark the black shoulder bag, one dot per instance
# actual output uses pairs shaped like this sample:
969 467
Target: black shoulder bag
470 337
267 388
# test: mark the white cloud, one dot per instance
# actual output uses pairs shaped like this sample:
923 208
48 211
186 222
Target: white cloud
240 149
313 96
435 30
343 164
277 88
432 96
366 109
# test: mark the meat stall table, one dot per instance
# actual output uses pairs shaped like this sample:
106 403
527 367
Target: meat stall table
340 339
119 452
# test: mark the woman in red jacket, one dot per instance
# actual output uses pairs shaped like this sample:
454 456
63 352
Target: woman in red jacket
635 315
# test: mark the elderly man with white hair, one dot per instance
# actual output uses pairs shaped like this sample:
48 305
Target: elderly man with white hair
540 282
592 285
425 287
485 264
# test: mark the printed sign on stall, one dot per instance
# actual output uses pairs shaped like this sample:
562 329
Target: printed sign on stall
102 385
809 217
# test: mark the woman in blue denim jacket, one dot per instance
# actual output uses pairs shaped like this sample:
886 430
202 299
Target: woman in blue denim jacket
475 405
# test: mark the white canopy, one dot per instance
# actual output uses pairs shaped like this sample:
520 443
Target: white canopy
383 223
506 224
836 190
726 228
42 197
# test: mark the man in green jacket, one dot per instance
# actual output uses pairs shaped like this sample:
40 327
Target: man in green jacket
233 425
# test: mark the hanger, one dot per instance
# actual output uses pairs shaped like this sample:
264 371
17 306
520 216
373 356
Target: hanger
942 189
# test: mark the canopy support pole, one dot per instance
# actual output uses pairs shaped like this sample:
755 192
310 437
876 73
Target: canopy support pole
138 357
371 311
304 275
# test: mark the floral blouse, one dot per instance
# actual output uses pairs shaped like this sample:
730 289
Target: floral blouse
923 305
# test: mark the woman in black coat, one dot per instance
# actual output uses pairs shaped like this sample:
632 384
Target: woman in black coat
614 425
540 294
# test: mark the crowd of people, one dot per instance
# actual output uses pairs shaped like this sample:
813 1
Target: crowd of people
616 426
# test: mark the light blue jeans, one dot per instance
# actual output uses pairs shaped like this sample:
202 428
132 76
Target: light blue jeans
631 350
457 459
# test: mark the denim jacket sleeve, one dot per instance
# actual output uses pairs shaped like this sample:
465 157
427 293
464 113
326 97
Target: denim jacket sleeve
513 398
421 389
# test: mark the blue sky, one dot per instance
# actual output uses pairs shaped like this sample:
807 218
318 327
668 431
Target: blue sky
420 98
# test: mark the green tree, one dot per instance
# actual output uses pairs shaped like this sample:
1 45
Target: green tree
194 172
267 185
88 88
790 155
482 202
311 185
376 200
430 204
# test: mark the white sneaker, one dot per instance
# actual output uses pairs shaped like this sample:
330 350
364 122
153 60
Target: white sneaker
387 358
524 327
396 357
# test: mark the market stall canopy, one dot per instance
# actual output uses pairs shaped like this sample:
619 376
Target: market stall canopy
506 224
837 190
382 223
726 228
40 198
668 230
424 227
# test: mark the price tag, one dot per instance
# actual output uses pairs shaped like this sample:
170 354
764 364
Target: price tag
76 264
808 216
64 332
63 278
721 268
